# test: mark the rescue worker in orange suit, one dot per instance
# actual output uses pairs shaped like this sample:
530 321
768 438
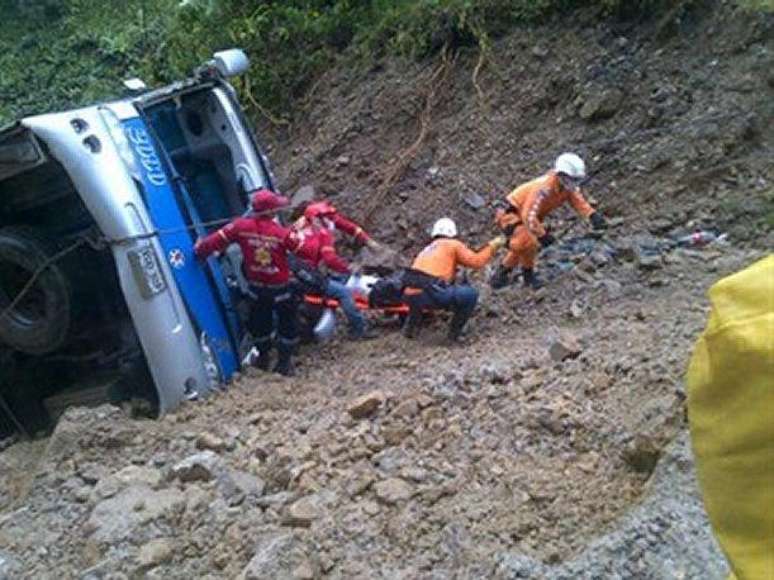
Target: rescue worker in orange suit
265 245
431 279
528 205
315 230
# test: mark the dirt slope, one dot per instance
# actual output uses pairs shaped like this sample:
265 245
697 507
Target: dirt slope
674 121
488 460
530 450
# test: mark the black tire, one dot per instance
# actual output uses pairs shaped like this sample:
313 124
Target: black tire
40 322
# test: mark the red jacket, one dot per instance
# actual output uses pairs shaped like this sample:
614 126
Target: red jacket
318 246
350 227
264 245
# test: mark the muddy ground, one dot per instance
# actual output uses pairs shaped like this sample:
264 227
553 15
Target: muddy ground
551 443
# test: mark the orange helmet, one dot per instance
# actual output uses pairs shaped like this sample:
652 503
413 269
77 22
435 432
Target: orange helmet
264 201
319 209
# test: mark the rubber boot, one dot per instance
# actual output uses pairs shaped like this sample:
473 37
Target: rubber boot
284 364
413 323
456 326
531 279
264 355
500 278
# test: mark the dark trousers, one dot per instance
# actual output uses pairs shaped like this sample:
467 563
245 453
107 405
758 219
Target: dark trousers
461 299
270 303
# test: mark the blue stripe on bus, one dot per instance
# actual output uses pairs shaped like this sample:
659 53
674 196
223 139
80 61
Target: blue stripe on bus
178 247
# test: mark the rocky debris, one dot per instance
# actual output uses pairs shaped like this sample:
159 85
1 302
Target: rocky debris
601 104
118 517
477 456
642 454
577 308
154 553
474 201
393 490
649 261
564 347
648 542
540 51
382 259
131 475
303 512
281 557
208 441
105 427
10 567
202 466
302 196
276 499
366 405
237 486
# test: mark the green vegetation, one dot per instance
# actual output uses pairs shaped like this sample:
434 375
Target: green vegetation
61 53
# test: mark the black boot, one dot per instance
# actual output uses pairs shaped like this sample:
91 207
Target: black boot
500 278
284 364
264 355
531 279
413 323
455 326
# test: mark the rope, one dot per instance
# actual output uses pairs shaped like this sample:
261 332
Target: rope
154 233
95 243
42 268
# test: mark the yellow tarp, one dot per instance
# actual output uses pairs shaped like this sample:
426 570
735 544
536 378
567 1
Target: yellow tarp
731 414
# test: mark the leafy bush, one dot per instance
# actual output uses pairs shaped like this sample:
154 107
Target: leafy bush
67 52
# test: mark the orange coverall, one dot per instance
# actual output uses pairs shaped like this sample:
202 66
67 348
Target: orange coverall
441 257
533 201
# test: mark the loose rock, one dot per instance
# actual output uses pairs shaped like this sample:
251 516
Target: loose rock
208 441
393 490
303 512
278 557
202 466
566 347
642 454
366 405
154 553
601 105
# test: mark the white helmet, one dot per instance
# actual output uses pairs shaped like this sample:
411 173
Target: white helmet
444 227
571 165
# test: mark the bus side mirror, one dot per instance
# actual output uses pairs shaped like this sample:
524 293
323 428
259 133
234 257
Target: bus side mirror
231 62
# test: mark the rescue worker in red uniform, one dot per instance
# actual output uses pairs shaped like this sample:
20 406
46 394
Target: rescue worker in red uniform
265 245
317 250
431 279
528 205
336 221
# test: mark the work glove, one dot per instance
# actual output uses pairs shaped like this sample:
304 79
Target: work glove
546 240
497 243
598 221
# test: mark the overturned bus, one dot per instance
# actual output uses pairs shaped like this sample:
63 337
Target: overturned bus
100 296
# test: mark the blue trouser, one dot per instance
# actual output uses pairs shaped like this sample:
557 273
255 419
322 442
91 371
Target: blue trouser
336 289
461 299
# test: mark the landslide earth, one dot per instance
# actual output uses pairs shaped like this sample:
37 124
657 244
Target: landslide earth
551 443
